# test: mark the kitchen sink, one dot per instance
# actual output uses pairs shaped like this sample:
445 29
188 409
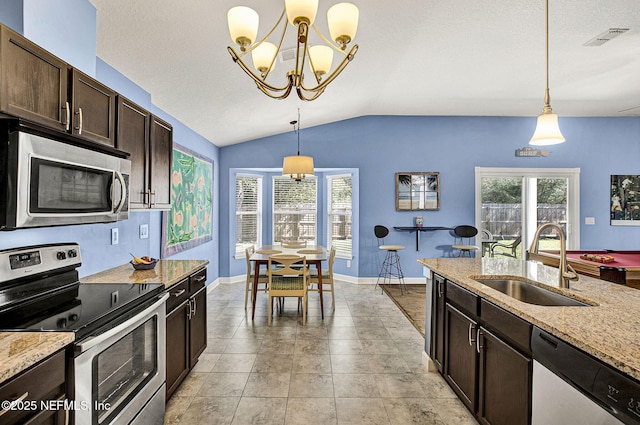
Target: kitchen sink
530 293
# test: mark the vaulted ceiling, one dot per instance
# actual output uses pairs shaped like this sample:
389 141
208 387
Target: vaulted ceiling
427 57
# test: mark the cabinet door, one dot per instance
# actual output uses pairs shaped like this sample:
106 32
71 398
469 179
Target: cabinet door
505 383
132 136
94 109
177 347
438 325
160 154
33 82
460 364
198 326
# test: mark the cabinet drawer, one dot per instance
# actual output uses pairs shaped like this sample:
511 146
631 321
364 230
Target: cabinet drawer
44 381
466 300
178 293
508 325
197 281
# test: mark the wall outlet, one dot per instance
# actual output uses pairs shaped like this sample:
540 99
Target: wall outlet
348 264
589 220
114 236
144 231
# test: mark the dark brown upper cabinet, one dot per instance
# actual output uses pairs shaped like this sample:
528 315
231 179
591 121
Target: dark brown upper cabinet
40 87
160 156
149 140
33 82
94 109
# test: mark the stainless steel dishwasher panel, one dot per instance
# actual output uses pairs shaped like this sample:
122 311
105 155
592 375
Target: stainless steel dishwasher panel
557 402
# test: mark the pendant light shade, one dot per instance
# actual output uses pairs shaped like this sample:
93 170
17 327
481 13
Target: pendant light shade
547 129
297 167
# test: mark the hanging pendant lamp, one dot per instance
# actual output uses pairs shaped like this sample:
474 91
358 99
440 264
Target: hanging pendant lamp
547 129
297 166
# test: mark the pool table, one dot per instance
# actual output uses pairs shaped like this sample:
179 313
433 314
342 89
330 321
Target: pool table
625 269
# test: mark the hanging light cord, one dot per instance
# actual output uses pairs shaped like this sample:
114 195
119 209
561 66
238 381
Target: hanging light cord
547 99
297 129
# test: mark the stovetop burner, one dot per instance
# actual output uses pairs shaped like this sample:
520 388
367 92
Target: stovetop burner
40 291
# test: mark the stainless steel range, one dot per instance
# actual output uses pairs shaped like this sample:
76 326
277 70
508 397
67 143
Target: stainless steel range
117 364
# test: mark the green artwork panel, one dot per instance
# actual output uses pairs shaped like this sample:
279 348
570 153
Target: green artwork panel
188 223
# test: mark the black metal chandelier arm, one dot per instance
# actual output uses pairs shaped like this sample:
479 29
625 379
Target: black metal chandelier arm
320 87
258 80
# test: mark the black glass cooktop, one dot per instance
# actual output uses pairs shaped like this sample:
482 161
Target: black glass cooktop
85 308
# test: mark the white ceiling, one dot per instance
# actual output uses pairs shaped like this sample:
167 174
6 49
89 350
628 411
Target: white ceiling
416 57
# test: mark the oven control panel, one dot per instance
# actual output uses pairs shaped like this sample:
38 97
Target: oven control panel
28 261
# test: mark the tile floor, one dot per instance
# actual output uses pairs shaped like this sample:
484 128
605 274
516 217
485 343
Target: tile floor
362 365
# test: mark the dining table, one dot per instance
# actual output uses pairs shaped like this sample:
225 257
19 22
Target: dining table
314 255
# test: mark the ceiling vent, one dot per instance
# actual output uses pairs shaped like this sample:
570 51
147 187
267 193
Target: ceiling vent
287 54
610 34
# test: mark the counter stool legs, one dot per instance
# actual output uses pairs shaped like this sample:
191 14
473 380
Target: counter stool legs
391 268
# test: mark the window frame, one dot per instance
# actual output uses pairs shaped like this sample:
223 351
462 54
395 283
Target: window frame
275 212
330 213
258 212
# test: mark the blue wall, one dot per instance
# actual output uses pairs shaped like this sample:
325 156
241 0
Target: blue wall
380 146
77 17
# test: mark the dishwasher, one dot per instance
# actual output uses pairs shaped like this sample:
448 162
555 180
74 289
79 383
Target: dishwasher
572 387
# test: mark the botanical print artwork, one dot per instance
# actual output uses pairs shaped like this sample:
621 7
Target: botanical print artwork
188 223
625 200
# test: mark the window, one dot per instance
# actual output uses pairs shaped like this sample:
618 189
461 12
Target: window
248 212
513 202
294 209
339 214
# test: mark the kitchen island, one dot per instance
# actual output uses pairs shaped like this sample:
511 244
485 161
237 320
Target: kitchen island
607 330
503 350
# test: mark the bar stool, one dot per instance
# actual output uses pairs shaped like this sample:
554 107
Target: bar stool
391 264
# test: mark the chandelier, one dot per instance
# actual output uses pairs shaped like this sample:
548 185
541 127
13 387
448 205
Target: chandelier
342 21
547 129
297 166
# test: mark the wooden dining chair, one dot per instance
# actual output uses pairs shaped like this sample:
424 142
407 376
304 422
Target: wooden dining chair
327 279
287 281
294 244
263 278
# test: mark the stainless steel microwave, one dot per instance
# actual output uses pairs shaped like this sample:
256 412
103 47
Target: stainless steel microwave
52 183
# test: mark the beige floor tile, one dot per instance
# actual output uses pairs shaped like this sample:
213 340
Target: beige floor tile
362 364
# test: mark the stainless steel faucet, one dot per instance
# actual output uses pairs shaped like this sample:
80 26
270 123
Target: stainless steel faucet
566 272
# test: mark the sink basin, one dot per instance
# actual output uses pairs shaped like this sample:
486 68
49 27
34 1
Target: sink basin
529 293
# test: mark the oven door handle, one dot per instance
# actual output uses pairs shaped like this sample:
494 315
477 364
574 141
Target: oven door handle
131 323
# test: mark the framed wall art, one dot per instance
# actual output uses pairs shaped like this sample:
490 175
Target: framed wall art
417 191
625 200
188 223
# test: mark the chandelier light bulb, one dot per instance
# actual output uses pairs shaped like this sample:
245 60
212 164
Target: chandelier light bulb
243 25
263 56
547 131
321 58
343 23
301 11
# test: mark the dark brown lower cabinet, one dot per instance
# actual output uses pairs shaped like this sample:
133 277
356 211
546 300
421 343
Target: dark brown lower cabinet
504 382
44 382
186 328
461 359
177 347
487 359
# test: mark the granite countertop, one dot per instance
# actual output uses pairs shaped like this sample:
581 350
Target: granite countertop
168 272
607 330
21 350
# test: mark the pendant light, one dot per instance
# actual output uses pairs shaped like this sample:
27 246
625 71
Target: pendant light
547 129
297 166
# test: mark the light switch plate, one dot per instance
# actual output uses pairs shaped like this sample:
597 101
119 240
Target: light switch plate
589 220
114 236
144 231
